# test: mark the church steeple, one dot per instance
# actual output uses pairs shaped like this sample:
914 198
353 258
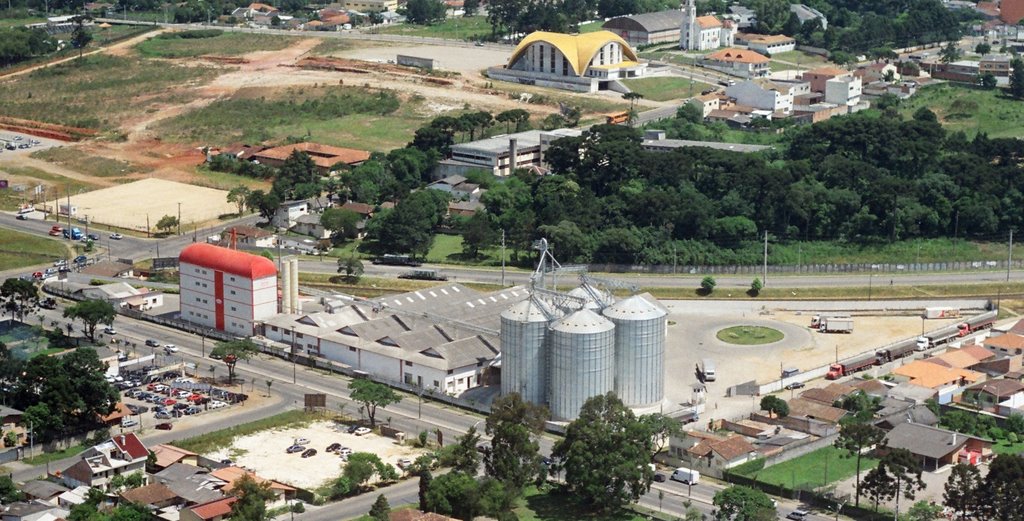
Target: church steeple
688 28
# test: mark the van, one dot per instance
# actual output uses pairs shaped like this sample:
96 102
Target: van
707 369
685 475
789 371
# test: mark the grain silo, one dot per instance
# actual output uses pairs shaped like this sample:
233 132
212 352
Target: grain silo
588 292
582 361
640 327
524 330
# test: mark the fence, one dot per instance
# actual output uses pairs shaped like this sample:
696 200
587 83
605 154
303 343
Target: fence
810 497
757 269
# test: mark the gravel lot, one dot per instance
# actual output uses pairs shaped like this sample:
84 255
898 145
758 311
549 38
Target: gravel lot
264 453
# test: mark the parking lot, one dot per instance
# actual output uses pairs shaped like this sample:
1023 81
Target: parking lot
17 143
266 453
161 399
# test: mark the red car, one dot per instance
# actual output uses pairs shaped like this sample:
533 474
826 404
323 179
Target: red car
164 426
195 398
170 401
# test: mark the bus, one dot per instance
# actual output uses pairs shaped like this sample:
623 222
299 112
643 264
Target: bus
616 118
396 260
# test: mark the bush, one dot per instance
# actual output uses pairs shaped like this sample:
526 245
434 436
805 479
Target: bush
707 285
191 34
755 287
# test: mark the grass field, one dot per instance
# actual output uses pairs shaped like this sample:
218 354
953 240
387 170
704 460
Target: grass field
10 200
54 456
802 60
466 28
18 22
219 439
226 44
96 92
343 116
664 88
1005 447
552 505
18 250
79 161
809 470
226 181
969 109
591 27
749 335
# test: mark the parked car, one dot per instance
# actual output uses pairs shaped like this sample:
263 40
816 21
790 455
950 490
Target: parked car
659 477
798 515
404 463
182 407
170 348
309 453
81 259
60 262
362 431
301 441
166 426
352 428
295 448
344 452
128 422
193 410
333 447
217 404
162 415
795 385
216 356
22 217
169 401
94 236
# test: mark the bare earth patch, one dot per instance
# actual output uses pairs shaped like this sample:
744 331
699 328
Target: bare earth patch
264 453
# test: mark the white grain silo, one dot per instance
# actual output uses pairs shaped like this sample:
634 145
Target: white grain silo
588 292
582 361
639 349
524 368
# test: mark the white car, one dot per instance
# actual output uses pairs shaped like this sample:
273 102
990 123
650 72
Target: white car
217 404
362 431
110 330
170 348
344 452
301 441
116 236
128 422
183 394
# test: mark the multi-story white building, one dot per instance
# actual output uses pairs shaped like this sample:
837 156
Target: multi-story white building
762 94
845 90
703 33
226 289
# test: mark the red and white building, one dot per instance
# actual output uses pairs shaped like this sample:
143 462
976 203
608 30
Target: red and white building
226 289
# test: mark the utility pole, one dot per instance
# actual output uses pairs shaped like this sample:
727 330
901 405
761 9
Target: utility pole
502 260
69 212
179 218
764 270
1009 257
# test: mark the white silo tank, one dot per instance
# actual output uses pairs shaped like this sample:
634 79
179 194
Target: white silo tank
582 362
524 329
639 350
586 292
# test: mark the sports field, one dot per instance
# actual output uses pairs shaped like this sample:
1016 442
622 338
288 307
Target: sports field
129 205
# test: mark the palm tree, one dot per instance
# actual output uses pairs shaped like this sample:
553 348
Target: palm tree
269 383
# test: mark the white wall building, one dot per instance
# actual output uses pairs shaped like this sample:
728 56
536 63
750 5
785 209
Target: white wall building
704 33
762 94
845 90
226 289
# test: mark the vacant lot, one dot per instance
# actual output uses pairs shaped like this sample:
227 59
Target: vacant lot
970 109
226 44
814 469
29 178
152 199
343 116
466 28
21 249
81 162
664 88
98 91
264 452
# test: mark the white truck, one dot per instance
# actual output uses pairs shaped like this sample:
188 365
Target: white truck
941 312
685 475
836 325
819 319
707 370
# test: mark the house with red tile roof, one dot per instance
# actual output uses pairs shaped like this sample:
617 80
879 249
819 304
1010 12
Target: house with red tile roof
1009 344
325 157
216 510
232 474
738 62
120 455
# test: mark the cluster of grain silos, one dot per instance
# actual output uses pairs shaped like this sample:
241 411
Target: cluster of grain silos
561 354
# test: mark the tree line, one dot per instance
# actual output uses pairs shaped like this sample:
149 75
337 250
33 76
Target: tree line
18 44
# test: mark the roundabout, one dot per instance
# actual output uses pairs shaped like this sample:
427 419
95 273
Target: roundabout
749 335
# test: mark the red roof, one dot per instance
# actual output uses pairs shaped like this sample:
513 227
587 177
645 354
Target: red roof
130 444
214 509
228 260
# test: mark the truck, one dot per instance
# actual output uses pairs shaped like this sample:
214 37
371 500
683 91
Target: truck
816 320
941 312
849 367
685 475
423 275
836 325
74 234
707 370
941 336
895 352
390 259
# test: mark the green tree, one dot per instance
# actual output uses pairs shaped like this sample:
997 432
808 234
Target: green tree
381 510
470 7
605 454
454 494
352 267
19 296
738 503
988 80
91 313
264 203
424 12
80 35
9 492
1017 78
1015 423
372 395
462 456
240 196
756 287
252 499
950 53
409 228
996 497
775 406
341 222
424 487
232 351
707 284
477 233
514 119
361 466
982 48
632 97
961 490
167 223
514 426
898 473
924 511
854 438
690 113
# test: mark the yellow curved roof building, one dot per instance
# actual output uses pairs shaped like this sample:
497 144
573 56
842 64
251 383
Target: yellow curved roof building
578 49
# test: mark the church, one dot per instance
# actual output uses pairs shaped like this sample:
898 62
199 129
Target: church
704 33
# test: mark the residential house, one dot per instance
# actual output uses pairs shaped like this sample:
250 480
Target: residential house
231 474
167 455
1011 11
963 358
216 510
706 103
459 188
766 44
309 224
879 71
827 395
193 484
154 496
913 413
844 91
121 455
945 381
871 387
464 208
743 16
1010 344
250 236
289 212
912 392
996 64
75 496
10 418
762 94
108 268
364 210
990 395
46 491
813 410
366 6
936 448
412 514
721 454
818 77
33 511
325 157
738 62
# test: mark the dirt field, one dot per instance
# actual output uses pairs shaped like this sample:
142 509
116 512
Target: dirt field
457 59
127 205
264 453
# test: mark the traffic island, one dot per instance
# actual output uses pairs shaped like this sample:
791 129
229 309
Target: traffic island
749 335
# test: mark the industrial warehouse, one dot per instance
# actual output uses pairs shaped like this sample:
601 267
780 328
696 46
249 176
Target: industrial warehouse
554 348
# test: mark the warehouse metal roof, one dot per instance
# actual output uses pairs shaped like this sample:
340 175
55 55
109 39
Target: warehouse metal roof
670 20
